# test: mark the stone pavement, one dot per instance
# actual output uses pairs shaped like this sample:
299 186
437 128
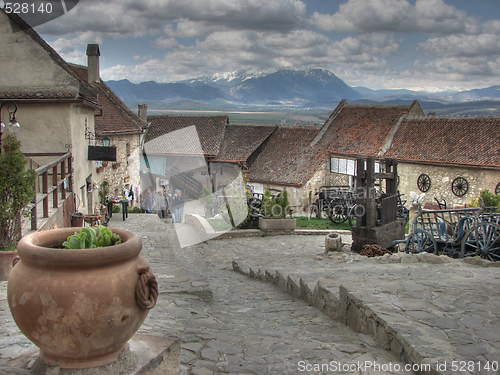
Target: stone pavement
230 323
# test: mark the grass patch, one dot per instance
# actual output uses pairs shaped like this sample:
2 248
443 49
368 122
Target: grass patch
219 225
319 224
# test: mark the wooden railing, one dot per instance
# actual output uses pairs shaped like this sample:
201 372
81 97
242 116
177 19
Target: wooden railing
60 184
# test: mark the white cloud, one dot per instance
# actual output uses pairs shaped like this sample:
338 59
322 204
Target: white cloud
139 57
203 37
462 69
167 43
71 49
365 16
130 17
462 45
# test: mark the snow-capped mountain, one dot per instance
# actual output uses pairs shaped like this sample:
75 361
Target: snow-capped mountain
229 78
283 87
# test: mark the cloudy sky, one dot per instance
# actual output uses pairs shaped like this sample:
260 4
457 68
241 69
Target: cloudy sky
415 44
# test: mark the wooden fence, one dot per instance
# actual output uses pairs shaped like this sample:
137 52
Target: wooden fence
56 188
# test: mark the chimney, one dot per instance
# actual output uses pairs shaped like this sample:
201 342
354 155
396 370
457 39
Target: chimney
143 112
93 54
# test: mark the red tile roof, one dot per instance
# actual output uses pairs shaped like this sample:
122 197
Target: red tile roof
293 155
84 92
210 131
462 140
116 116
360 129
288 157
240 141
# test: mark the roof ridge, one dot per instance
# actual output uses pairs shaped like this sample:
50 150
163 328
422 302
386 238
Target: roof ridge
84 88
454 117
378 105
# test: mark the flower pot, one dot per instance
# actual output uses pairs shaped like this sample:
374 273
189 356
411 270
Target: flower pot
6 259
99 169
80 307
116 165
104 163
77 219
272 224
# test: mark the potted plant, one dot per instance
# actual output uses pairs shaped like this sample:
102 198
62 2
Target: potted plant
16 193
276 211
104 164
80 295
99 169
116 165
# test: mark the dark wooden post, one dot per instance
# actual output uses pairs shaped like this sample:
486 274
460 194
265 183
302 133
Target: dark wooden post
34 212
63 176
392 182
45 188
55 193
361 193
371 208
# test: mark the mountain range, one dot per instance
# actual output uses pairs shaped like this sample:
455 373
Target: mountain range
287 88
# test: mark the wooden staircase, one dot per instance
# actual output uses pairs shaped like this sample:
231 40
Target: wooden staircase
190 187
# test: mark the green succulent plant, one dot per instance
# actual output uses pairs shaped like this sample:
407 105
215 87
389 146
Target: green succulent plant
90 238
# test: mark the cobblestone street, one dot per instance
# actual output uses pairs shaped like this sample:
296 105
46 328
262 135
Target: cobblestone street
231 323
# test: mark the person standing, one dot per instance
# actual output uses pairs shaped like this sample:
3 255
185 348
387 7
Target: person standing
179 206
173 206
148 203
162 204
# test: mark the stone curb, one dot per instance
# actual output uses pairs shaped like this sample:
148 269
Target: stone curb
206 232
342 303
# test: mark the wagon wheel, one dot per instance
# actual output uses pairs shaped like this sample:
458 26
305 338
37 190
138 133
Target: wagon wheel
459 186
497 189
424 183
419 242
337 211
254 203
482 240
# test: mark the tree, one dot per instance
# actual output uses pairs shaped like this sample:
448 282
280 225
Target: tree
268 203
284 203
16 192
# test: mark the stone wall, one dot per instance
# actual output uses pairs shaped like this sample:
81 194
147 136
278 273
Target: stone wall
127 173
441 181
301 197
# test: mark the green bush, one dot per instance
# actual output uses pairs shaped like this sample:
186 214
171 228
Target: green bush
489 199
284 203
268 204
116 209
16 192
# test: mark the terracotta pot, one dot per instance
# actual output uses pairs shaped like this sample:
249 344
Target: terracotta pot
80 307
116 165
6 259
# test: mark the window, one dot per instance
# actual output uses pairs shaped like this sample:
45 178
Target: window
127 149
343 166
349 166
